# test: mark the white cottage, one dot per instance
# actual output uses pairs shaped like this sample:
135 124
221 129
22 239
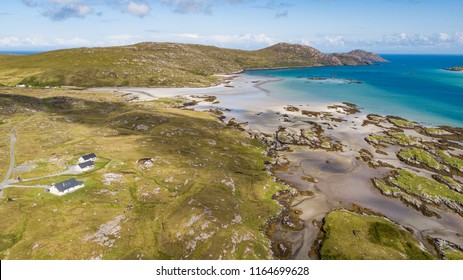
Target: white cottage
65 187
84 166
89 157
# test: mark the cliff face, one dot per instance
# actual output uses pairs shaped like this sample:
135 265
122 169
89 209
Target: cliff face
161 64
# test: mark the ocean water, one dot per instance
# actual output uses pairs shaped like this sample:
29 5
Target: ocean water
20 52
411 86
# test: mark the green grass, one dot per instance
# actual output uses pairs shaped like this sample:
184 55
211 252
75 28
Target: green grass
395 138
42 168
405 139
426 189
449 181
377 139
453 254
222 184
157 64
350 236
402 123
436 131
419 156
454 162
387 189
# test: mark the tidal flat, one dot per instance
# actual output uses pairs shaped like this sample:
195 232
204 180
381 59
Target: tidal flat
332 155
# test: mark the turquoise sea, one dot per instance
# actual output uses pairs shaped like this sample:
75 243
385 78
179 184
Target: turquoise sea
411 86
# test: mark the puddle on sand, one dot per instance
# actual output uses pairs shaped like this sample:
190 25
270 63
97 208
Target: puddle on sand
330 163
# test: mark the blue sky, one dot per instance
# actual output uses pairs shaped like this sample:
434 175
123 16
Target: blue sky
383 26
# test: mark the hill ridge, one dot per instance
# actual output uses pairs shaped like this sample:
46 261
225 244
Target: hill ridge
161 64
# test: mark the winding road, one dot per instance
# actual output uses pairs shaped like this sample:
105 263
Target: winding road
6 180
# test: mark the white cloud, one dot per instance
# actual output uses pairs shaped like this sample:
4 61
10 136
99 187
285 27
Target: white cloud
398 42
189 35
197 6
9 41
64 9
246 38
76 41
459 37
240 40
335 40
122 39
138 9
403 39
65 2
42 42
443 37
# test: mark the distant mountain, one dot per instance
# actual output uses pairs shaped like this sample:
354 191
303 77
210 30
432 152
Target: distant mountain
161 64
357 57
302 55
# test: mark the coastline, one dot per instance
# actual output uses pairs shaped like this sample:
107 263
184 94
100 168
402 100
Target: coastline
340 181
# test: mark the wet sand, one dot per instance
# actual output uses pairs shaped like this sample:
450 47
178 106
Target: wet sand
342 179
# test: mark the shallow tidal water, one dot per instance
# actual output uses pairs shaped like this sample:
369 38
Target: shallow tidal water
412 86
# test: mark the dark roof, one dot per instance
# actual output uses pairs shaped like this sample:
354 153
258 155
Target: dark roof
70 183
86 164
89 156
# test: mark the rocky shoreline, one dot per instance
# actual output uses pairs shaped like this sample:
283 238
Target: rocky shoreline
334 157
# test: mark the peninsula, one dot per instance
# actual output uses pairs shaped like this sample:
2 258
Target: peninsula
161 64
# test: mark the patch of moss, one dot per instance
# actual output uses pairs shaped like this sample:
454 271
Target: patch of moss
422 158
426 189
454 162
378 139
401 123
449 181
452 253
350 236
386 189
405 139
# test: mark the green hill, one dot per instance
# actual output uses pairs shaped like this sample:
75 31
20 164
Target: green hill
160 64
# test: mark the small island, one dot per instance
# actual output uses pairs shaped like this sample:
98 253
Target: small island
455 69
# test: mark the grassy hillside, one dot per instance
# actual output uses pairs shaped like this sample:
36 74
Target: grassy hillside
179 184
159 64
350 236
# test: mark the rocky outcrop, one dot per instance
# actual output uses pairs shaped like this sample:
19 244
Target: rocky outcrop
312 57
358 57
455 69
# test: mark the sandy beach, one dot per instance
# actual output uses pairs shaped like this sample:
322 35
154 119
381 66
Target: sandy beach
341 179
